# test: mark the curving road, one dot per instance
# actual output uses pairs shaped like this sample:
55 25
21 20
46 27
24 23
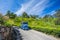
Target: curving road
35 35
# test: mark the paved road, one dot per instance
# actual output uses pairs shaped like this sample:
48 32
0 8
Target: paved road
34 35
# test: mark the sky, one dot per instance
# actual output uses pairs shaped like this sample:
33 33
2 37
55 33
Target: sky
31 7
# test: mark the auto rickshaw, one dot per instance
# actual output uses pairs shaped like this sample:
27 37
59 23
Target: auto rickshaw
25 26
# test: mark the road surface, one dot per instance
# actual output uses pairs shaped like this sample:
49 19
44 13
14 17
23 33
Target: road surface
35 35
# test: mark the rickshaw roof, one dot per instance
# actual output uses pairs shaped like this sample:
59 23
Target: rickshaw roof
24 22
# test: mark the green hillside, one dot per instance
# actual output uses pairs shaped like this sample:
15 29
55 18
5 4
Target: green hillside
49 24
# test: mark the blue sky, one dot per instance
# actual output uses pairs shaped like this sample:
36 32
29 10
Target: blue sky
34 7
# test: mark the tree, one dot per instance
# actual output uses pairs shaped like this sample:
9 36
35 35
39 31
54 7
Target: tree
34 16
1 15
25 15
48 18
1 19
57 22
11 15
57 16
8 13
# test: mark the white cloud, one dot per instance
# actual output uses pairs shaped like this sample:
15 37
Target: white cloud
24 7
38 8
20 10
38 5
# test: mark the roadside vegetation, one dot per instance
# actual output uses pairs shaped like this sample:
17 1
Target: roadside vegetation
49 24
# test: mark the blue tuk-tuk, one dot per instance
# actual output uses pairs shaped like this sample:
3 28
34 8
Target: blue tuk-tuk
25 26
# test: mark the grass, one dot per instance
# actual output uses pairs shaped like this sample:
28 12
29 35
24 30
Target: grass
41 25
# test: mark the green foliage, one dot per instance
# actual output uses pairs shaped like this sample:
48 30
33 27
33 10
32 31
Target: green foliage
7 24
25 15
11 15
34 16
8 13
47 24
1 19
57 15
57 22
